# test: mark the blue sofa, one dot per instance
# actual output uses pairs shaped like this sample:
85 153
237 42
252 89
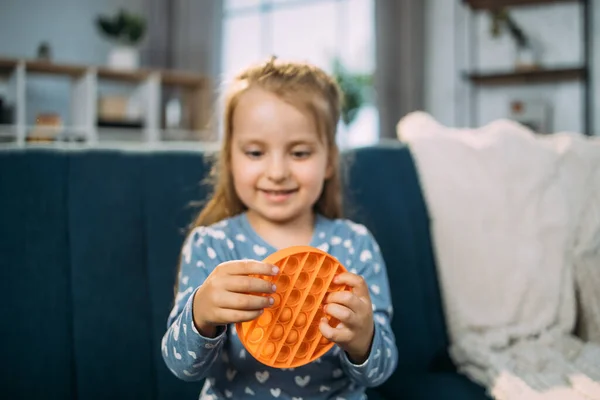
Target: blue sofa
89 241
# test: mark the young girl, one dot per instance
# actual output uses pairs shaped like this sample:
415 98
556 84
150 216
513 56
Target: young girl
277 185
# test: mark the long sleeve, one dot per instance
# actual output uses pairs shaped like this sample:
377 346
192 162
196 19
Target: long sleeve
187 353
383 358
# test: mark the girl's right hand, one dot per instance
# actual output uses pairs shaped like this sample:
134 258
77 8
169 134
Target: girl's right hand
230 295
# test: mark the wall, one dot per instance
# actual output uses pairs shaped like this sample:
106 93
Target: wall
556 29
68 25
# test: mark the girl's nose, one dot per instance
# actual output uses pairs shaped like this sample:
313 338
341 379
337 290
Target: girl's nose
278 169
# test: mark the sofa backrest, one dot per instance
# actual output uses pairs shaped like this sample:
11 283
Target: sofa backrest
89 242
35 286
383 192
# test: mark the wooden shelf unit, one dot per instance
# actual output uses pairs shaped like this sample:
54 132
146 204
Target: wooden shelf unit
195 96
542 74
528 77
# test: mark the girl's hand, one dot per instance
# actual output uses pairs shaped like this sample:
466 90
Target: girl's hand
354 332
230 295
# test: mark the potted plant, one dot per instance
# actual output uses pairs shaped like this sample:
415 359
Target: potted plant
125 30
525 55
354 87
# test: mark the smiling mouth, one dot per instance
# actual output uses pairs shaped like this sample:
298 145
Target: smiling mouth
279 192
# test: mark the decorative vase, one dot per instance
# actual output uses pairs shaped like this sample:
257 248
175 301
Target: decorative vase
525 58
124 58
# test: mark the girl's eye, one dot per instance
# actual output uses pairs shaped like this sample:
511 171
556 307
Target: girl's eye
254 153
301 154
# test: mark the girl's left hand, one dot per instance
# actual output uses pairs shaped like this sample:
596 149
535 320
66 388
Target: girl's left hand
354 333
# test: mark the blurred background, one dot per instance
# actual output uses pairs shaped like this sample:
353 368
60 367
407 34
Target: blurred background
135 71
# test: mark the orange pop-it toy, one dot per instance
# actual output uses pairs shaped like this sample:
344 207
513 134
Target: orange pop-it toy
287 334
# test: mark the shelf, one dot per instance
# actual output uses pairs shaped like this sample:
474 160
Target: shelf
7 66
136 76
167 77
182 79
148 86
528 77
496 4
115 134
44 67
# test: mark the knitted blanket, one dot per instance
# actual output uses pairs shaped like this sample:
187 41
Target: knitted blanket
516 228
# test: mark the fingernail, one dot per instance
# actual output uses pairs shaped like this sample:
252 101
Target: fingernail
271 300
275 270
274 288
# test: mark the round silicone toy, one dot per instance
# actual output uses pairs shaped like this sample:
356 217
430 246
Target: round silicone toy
287 334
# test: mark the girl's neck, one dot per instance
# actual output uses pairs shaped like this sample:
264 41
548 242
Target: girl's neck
297 232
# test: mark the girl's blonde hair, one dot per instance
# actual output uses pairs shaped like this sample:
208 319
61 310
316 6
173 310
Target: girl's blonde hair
309 89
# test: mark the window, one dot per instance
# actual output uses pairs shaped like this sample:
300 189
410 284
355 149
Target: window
318 31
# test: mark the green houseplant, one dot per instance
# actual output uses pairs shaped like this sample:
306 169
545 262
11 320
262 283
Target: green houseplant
500 20
354 87
125 30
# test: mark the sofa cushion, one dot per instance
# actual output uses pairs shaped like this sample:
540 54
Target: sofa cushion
111 300
34 276
171 185
438 386
384 194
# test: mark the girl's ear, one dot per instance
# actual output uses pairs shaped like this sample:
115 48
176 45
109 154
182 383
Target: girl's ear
332 159
329 171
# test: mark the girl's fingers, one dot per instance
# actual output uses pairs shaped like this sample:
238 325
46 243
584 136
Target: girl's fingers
248 284
341 334
249 267
230 316
357 282
243 302
345 298
342 313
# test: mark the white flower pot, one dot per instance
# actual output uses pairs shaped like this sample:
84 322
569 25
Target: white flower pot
525 58
124 58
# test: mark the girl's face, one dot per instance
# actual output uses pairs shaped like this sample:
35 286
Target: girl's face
279 163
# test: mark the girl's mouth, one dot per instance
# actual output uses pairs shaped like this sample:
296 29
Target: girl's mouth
279 195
